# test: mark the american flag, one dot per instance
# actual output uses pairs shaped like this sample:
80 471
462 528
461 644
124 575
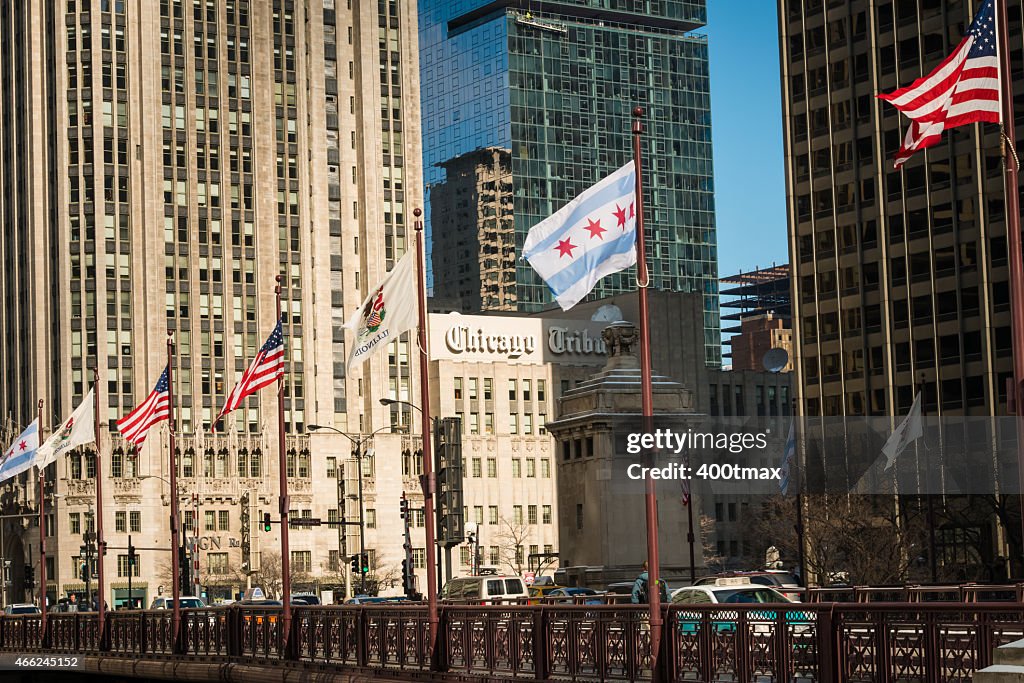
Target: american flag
963 89
156 408
266 368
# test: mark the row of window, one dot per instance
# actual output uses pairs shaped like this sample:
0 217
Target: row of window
472 386
495 554
517 514
516 422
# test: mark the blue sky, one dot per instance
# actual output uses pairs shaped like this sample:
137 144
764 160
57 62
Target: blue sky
746 128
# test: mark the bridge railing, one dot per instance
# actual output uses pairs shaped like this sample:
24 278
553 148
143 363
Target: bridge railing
925 641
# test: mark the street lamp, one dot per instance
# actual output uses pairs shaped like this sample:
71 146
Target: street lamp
358 442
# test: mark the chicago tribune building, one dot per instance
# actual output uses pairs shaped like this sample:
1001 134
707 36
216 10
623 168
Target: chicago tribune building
162 162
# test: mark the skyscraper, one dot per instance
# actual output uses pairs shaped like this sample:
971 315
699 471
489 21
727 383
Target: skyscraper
553 84
900 278
162 163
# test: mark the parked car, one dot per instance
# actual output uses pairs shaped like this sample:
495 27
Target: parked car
305 599
782 581
484 590
184 602
21 608
575 596
366 600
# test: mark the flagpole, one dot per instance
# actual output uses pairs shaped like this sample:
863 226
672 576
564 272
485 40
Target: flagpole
100 543
42 537
172 424
282 465
647 401
427 480
1013 240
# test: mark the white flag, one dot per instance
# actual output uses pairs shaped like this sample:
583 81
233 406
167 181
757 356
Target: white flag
389 311
908 431
592 236
77 430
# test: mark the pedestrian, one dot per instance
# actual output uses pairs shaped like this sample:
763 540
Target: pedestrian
641 588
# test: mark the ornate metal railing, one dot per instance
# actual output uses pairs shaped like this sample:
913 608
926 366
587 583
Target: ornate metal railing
855 642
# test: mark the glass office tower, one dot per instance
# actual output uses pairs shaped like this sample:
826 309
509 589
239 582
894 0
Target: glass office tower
554 84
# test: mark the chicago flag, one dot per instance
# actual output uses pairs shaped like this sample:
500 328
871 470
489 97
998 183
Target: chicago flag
592 236
21 454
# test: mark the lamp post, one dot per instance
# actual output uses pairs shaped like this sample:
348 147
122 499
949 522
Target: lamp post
358 442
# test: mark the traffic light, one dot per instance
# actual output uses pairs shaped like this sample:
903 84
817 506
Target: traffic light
266 521
403 507
30 576
83 570
355 564
131 554
406 577
365 564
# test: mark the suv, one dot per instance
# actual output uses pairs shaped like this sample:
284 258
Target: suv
21 608
782 581
485 589
184 602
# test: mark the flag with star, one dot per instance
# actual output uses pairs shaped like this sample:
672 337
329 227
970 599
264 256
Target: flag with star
20 455
592 236
156 408
266 368
963 89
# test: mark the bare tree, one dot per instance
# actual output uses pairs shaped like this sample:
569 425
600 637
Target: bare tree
712 559
511 541
866 540
267 574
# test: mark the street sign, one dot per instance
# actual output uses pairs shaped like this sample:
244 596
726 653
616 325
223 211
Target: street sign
304 521
529 577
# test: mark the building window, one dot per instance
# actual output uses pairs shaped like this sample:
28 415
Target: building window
546 514
477 467
517 468
75 522
458 388
223 521
217 563
528 423
488 423
472 389
209 520
120 522
488 388
478 514
122 566
333 564
492 468
531 468
512 390
494 554
332 468
371 518
531 514
545 468
419 558
474 423
526 390
302 561
464 556
492 514
517 514
135 522
540 390
513 423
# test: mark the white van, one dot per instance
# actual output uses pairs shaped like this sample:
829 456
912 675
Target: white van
485 590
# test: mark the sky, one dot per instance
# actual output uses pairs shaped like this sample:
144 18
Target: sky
746 129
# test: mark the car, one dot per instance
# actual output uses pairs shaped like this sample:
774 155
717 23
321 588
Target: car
782 581
540 591
184 602
366 600
575 596
734 591
21 608
300 600
485 589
